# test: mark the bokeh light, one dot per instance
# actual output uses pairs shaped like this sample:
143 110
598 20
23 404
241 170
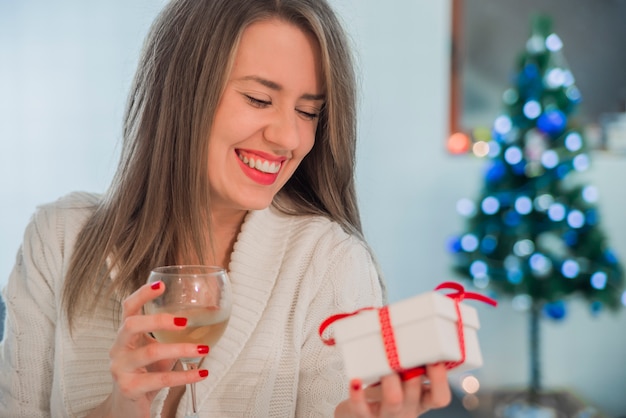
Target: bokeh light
598 280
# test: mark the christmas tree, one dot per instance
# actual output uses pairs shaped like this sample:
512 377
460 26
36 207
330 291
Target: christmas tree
534 233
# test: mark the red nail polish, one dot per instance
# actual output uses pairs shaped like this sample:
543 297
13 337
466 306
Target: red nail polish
203 349
203 373
355 384
181 322
156 285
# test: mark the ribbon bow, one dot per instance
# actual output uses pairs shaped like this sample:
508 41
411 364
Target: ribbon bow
388 335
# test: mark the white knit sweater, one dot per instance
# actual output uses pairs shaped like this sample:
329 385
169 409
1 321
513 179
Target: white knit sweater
288 274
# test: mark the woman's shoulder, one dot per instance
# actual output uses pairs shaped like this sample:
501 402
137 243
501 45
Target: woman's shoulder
72 202
65 215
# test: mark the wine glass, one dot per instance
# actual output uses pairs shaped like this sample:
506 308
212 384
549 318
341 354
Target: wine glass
202 294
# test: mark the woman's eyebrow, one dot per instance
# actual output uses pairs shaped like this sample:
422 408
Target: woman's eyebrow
277 87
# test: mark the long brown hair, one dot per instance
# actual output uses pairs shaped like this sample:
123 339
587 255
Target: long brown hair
157 205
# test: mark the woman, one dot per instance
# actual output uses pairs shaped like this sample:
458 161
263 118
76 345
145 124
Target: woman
239 151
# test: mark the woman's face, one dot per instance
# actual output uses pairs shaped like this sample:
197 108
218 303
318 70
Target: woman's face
266 119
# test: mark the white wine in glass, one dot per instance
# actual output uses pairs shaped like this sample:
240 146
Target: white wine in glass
202 294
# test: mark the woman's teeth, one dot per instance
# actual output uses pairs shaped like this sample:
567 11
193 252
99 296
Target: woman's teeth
261 165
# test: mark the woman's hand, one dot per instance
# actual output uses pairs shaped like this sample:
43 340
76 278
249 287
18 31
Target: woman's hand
395 398
141 366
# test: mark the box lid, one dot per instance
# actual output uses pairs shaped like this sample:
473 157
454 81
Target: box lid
409 310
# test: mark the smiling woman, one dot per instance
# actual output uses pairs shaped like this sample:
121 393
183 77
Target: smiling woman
238 151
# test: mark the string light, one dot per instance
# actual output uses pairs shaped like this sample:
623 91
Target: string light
570 269
598 280
549 159
543 202
466 207
458 143
470 384
581 162
590 194
556 212
523 205
573 141
490 205
502 125
575 219
532 109
480 149
513 155
469 243
553 42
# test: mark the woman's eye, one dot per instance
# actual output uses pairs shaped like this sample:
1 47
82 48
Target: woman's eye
309 115
257 102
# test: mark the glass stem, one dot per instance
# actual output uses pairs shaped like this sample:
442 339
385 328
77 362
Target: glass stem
192 365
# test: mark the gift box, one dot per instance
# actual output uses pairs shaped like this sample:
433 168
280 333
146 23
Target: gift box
406 335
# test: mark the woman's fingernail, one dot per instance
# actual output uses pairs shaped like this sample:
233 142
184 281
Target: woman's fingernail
156 285
203 349
355 384
181 322
203 373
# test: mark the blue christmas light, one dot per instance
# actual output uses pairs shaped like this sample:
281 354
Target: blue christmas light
571 238
523 205
513 155
478 269
549 159
454 245
514 276
591 216
576 219
532 109
555 310
598 280
556 212
490 205
590 194
610 256
494 149
488 244
530 71
495 172
469 243
624 298
581 162
512 218
570 269
466 207
552 122
573 141
562 171
554 43
502 125
540 264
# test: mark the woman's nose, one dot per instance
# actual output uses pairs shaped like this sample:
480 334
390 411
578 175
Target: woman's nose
282 130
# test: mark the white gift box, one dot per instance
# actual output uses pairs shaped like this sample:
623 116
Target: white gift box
425 330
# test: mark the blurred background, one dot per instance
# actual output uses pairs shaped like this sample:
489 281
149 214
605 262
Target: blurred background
65 71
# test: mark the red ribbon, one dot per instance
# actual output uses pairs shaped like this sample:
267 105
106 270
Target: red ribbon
388 335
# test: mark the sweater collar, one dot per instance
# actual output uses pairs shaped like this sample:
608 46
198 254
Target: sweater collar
253 271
